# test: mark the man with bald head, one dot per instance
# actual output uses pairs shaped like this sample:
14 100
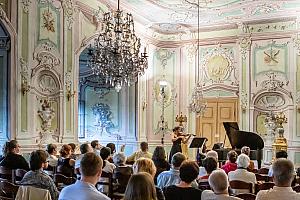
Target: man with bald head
283 175
218 182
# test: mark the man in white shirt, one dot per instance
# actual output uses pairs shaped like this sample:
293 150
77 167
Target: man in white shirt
283 175
84 189
218 182
143 153
241 174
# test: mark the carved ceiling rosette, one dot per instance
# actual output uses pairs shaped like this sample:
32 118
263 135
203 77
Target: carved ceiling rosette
218 65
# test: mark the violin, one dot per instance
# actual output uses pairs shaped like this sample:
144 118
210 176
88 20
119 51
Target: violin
186 134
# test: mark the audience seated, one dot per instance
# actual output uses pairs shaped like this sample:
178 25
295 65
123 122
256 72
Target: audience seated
84 148
246 150
230 164
37 177
171 177
65 164
73 149
52 151
209 154
112 147
142 153
12 159
137 191
84 189
241 173
160 162
147 165
96 147
188 173
279 154
218 182
210 164
283 175
105 154
122 172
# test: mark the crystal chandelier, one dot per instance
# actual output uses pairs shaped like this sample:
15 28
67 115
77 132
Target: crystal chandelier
197 104
115 55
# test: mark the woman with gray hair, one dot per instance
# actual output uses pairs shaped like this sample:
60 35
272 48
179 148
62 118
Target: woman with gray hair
241 173
122 173
119 159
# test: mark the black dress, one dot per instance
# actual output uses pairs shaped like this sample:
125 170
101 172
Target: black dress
14 161
176 147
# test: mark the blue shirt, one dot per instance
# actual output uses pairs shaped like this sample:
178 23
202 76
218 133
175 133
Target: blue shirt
83 191
168 178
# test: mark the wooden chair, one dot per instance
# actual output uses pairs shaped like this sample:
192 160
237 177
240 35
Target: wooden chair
7 174
266 186
246 196
262 177
255 171
235 184
106 182
204 185
263 170
61 181
8 189
19 174
297 188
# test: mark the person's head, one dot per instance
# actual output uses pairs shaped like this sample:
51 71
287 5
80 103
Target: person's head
85 147
144 146
38 160
243 161
212 154
281 154
137 191
65 150
188 171
218 181
159 153
176 129
232 156
91 166
210 164
105 153
245 150
11 147
144 165
283 172
112 147
119 159
51 149
177 160
73 147
95 144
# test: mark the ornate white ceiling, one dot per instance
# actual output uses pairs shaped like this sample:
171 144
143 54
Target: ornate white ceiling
171 16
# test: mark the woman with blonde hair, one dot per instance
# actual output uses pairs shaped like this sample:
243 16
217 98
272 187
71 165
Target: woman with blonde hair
147 165
137 191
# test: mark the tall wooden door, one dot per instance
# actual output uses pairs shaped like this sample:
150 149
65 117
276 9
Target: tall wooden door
210 125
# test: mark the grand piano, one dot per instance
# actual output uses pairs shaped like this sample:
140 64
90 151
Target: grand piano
238 139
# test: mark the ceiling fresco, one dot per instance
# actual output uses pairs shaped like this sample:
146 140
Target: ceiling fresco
171 16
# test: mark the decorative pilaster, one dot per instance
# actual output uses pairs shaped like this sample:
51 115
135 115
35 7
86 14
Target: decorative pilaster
68 7
26 5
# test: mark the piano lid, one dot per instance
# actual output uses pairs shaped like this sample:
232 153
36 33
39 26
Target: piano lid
238 138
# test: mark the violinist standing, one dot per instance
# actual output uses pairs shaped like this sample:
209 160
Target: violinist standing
177 138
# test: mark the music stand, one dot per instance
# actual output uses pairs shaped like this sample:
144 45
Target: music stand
198 142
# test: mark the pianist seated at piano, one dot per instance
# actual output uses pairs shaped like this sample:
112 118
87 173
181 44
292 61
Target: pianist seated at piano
241 174
230 164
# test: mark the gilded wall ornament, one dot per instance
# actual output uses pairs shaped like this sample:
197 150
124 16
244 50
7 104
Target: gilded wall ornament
48 21
46 60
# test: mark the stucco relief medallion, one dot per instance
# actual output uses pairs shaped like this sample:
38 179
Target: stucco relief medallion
217 68
47 84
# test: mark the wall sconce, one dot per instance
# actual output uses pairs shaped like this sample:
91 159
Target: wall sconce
69 93
144 105
25 87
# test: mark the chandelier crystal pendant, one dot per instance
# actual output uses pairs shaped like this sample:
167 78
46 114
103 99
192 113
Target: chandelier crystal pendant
197 103
116 53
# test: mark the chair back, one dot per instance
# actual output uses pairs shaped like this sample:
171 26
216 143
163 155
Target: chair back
19 174
204 185
246 196
297 188
262 177
64 170
266 186
8 189
263 170
32 193
7 174
106 181
61 181
236 184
